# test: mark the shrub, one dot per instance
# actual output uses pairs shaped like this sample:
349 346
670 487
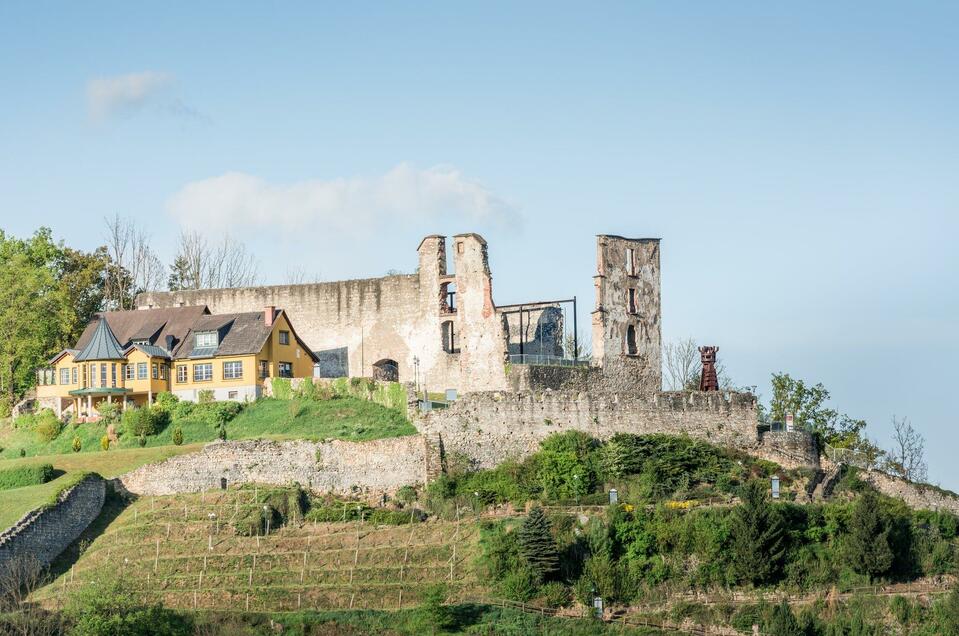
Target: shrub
77 444
139 422
142 441
382 516
182 409
105 442
110 607
109 412
434 615
518 585
406 494
177 436
216 413
165 401
25 476
273 509
555 594
281 388
205 396
47 426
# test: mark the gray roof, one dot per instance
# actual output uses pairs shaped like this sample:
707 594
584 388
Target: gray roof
155 324
103 345
151 350
238 334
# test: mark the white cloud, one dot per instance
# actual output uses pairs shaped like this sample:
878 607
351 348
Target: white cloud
123 94
404 195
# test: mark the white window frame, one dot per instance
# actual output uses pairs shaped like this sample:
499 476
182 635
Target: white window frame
184 377
143 372
65 376
233 370
205 377
205 340
130 371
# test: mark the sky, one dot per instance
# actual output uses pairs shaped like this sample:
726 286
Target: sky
799 161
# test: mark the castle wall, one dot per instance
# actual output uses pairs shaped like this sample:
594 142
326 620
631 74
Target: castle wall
398 318
492 426
44 533
342 468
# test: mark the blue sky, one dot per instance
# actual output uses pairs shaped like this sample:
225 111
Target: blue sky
800 161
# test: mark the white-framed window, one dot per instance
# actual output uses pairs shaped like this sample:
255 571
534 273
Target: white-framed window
103 375
203 372
129 371
181 373
141 370
113 374
164 372
84 367
64 376
156 371
285 369
205 339
232 370
74 375
284 337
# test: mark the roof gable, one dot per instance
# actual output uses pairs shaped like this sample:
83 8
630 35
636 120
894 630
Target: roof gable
103 345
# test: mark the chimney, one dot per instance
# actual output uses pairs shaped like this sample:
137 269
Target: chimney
268 315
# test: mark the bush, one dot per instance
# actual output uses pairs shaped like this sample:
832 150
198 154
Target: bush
434 615
555 594
77 444
216 413
105 442
382 516
107 607
205 396
25 476
177 436
47 426
281 388
406 494
273 509
182 409
109 412
165 401
139 422
518 585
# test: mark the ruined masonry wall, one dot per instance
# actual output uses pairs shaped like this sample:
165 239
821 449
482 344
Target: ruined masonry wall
493 426
46 532
343 468
792 449
915 496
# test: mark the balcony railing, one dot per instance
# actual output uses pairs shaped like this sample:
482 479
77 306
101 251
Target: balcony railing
535 359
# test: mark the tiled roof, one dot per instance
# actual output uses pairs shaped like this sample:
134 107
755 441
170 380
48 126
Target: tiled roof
151 350
147 323
103 345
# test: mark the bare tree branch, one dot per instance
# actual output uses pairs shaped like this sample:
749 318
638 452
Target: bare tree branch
907 459
199 265
682 364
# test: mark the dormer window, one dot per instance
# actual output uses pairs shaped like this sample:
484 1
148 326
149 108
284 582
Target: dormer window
205 340
141 342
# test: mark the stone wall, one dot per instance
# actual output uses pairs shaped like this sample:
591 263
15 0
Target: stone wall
792 449
45 532
916 496
492 426
344 468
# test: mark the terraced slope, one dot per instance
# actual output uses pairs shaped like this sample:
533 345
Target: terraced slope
182 550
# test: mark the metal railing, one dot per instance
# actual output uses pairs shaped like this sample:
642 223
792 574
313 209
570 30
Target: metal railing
547 361
850 457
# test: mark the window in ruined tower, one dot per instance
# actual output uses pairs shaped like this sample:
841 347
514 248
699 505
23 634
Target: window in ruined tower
630 261
448 298
632 301
450 337
631 340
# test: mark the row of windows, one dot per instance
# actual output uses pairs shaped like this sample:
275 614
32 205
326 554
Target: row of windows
107 373
232 370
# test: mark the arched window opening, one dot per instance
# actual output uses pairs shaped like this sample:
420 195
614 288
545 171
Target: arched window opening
386 370
448 298
631 340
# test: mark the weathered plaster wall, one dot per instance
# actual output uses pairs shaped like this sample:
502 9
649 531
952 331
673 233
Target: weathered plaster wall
344 468
616 275
492 426
46 532
396 317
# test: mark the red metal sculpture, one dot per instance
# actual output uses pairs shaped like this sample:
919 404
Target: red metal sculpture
709 381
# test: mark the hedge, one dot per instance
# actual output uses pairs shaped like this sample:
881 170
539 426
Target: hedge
25 476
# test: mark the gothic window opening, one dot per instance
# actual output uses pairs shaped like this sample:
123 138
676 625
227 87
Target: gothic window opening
450 337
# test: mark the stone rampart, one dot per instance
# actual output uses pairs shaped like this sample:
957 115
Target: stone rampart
343 468
44 533
792 449
492 426
916 496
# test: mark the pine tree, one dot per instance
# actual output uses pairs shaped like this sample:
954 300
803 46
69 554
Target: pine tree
536 545
179 274
868 549
783 622
758 536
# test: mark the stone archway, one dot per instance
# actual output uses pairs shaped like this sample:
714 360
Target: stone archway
387 370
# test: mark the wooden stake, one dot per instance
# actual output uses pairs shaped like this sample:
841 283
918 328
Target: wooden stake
156 560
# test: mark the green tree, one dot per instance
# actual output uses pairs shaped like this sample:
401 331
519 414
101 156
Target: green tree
783 622
807 403
536 545
434 615
180 276
950 612
758 536
868 548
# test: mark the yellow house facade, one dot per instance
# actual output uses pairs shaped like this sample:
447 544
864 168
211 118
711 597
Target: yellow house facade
129 357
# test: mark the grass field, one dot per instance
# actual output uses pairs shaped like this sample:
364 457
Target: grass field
173 550
347 418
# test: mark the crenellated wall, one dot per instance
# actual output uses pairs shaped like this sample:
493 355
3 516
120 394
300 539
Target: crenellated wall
492 426
44 533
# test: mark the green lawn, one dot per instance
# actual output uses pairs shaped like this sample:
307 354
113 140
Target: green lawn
17 502
345 418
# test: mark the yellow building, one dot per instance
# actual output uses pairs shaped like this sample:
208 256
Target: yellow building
129 356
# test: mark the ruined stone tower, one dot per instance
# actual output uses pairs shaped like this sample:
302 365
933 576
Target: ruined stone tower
626 322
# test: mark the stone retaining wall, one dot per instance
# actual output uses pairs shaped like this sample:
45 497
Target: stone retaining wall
792 449
344 468
915 496
44 533
492 426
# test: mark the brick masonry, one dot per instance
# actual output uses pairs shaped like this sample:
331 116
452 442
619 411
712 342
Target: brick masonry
45 532
362 469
